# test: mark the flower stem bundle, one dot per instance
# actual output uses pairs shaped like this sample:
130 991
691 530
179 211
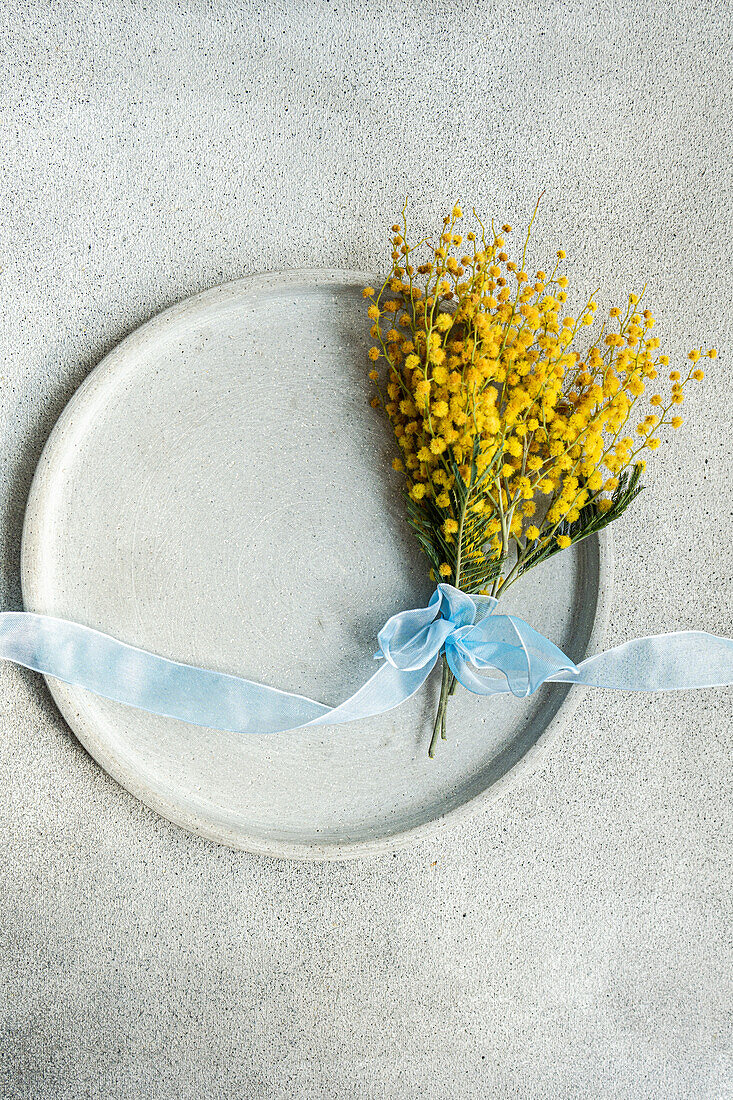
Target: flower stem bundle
517 438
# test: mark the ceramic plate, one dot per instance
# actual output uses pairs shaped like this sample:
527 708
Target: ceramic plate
220 491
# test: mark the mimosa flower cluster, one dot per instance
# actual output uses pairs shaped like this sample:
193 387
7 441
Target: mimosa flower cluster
519 433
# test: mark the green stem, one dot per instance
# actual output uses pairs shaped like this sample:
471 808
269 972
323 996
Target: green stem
448 680
439 725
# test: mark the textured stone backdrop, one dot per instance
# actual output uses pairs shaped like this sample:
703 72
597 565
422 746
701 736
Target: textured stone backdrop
571 942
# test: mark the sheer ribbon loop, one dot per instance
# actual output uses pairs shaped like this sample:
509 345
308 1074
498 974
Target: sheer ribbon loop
476 639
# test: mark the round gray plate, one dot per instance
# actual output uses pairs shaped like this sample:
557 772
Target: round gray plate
220 491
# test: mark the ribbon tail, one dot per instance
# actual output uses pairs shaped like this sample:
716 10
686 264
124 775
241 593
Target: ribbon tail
92 660
386 689
662 662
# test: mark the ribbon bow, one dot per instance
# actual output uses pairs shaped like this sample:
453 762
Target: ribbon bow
476 639
488 652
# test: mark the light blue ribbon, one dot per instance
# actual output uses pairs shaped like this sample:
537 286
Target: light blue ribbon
488 652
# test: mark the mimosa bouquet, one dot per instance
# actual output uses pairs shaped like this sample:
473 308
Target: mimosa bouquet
518 438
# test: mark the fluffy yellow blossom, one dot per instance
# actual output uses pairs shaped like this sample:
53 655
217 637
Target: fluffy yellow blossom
505 405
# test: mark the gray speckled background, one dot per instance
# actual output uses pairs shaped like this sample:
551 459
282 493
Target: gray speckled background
571 942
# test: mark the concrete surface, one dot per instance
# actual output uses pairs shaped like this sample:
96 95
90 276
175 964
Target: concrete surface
571 942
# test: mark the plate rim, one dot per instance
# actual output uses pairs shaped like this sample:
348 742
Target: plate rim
193 823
